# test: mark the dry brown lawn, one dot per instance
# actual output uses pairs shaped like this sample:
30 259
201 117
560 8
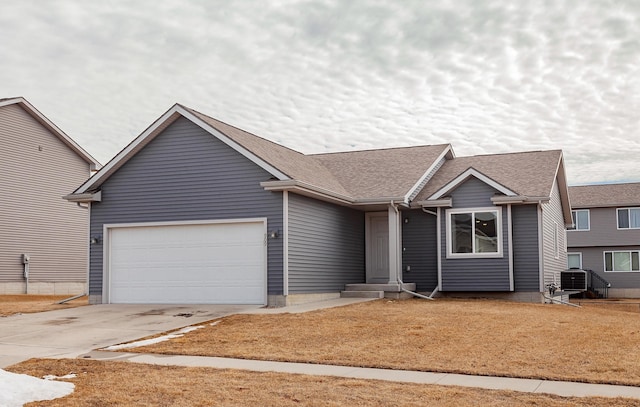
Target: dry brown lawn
25 304
129 384
484 337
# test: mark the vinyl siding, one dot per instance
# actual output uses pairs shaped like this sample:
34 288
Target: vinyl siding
326 246
474 274
552 219
187 174
593 259
603 231
36 170
419 250
526 254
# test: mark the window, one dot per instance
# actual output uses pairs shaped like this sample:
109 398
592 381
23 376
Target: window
622 261
474 233
629 218
574 260
580 219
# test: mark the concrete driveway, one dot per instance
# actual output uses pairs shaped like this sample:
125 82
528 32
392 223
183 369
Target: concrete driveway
75 331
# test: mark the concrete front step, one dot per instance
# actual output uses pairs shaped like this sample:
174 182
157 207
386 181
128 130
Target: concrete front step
362 294
387 288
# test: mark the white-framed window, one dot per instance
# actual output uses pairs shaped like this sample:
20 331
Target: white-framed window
622 261
628 218
574 260
581 219
475 232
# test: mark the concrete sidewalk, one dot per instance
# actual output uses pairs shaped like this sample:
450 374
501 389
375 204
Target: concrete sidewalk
560 388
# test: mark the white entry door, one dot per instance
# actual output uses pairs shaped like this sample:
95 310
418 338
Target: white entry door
210 263
377 248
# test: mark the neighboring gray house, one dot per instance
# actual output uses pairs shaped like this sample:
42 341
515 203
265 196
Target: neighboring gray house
38 165
197 211
606 236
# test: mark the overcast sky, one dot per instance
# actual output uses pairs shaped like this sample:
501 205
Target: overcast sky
317 76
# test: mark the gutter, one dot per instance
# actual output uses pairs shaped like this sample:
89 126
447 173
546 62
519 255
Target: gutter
84 197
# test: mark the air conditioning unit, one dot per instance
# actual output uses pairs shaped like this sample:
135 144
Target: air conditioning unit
573 280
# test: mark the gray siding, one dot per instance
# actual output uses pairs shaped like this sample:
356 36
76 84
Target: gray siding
603 231
552 219
474 274
526 255
593 259
36 170
187 174
419 250
326 246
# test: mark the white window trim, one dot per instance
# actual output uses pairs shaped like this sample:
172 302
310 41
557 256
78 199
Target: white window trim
498 254
573 253
629 215
604 261
575 228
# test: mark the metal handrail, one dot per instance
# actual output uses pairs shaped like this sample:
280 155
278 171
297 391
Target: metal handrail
604 284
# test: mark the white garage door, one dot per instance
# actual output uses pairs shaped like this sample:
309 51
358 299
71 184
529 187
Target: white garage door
220 263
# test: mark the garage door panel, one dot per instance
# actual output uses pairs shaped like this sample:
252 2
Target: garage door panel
204 263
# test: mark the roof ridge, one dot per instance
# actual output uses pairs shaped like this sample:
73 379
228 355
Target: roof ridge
556 150
379 149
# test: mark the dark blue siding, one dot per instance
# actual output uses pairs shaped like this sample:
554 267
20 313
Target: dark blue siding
475 274
419 249
526 250
326 246
187 174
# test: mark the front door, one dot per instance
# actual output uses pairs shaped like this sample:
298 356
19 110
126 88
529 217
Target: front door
377 248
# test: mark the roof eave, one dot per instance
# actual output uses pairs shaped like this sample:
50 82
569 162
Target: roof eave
415 190
84 197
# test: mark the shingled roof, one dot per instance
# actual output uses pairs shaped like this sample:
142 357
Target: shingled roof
605 195
529 174
348 177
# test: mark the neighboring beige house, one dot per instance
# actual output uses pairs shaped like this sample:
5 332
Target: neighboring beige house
606 236
43 238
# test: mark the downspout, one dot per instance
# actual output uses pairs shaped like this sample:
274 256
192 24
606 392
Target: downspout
399 270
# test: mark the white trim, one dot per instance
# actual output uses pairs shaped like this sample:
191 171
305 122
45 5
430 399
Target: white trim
510 247
124 155
367 239
575 228
573 253
285 242
463 177
628 209
435 203
439 243
500 243
239 148
415 189
541 248
393 218
106 250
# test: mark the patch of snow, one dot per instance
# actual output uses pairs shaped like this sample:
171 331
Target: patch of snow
54 377
214 323
152 341
18 389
